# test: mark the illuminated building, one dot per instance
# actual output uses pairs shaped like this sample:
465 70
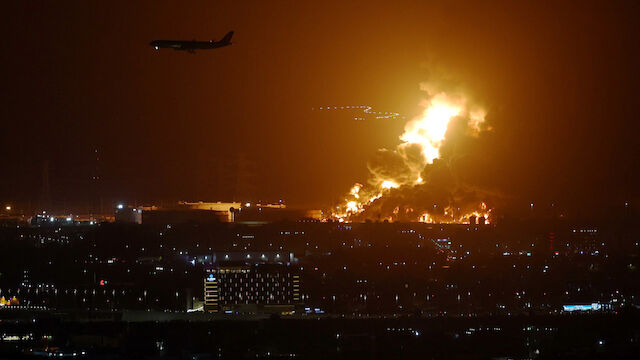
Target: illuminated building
127 214
207 212
252 288
50 220
218 206
249 257
178 213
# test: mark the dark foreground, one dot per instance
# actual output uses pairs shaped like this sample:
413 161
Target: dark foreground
605 336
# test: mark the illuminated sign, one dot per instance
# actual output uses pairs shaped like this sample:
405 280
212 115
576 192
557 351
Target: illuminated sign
582 307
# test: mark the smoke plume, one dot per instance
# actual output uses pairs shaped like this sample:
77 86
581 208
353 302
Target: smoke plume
435 173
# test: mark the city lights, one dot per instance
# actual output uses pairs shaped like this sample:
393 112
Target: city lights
351 180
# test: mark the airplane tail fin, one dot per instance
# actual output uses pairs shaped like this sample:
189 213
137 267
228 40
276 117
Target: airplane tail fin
227 38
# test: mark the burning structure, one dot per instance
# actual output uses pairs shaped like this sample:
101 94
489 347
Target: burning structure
425 177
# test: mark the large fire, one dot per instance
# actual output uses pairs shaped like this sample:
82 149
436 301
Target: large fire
403 171
428 130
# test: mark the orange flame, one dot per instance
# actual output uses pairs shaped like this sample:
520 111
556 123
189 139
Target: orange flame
428 131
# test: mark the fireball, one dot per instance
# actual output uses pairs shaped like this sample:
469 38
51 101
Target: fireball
429 130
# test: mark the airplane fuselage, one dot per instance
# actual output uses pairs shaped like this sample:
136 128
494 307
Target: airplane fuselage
186 45
191 46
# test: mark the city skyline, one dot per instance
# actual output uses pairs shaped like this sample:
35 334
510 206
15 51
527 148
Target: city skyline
320 180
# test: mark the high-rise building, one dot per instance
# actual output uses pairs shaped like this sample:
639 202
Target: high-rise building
252 288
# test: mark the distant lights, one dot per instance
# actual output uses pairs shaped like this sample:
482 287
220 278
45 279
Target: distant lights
8 207
247 204
120 206
365 109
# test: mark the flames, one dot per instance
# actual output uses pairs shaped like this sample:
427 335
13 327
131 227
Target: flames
451 216
408 183
389 184
428 131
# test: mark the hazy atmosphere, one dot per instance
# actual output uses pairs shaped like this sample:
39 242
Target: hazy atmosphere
559 85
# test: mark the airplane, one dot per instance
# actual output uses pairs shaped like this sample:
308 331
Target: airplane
192 46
